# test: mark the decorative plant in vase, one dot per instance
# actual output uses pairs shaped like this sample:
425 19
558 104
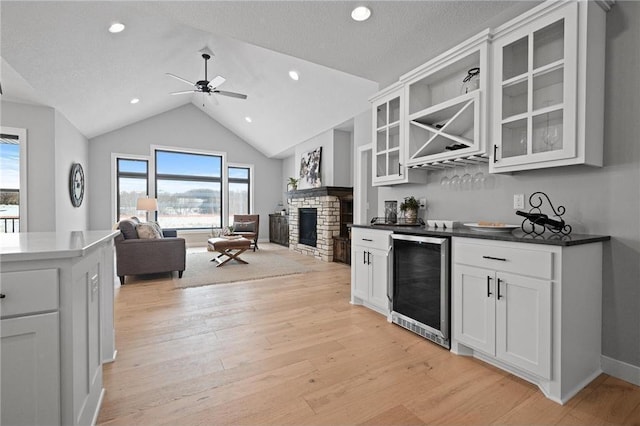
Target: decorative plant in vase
410 209
293 183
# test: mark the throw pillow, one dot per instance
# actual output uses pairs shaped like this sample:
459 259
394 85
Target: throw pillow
157 227
147 231
128 229
244 227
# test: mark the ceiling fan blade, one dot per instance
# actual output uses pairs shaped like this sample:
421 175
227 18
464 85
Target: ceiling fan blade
180 78
183 92
217 81
231 94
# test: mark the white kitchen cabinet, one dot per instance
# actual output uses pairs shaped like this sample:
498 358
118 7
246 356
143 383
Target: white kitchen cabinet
54 318
548 88
505 315
370 268
389 155
29 334
445 116
531 309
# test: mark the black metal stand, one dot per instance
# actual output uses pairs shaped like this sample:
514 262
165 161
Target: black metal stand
537 222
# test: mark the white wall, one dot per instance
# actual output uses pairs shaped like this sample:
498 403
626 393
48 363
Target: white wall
342 162
185 127
598 200
42 191
325 140
70 147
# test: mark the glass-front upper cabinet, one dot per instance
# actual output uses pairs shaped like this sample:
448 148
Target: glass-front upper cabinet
389 166
540 94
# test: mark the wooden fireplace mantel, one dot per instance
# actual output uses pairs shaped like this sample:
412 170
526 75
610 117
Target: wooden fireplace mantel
336 191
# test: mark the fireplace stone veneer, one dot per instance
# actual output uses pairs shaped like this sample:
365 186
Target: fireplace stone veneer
327 202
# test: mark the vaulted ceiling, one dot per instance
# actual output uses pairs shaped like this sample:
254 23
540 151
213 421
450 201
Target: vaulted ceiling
60 54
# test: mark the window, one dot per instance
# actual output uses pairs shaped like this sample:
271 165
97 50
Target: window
239 191
133 183
189 189
13 180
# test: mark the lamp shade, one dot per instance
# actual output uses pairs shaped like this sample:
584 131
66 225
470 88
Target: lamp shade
148 204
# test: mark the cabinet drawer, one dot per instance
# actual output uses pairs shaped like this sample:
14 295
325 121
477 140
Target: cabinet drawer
28 292
370 238
522 261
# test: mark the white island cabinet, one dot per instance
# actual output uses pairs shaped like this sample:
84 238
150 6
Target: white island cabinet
56 325
531 309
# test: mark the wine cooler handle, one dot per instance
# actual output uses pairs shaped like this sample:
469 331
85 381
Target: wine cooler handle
498 283
489 286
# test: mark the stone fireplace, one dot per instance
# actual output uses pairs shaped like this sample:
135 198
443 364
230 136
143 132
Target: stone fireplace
325 201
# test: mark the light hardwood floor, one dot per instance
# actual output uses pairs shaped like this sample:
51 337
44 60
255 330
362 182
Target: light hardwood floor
293 351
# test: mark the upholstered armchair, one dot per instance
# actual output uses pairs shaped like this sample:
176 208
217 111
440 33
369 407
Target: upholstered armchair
160 251
247 226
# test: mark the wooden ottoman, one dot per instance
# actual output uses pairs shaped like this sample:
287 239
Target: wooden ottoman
229 248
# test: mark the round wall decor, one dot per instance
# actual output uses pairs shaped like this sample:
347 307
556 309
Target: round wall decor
76 184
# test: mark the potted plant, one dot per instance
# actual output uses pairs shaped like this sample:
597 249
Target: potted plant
410 209
293 183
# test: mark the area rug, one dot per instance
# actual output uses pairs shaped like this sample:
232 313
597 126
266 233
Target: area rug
200 270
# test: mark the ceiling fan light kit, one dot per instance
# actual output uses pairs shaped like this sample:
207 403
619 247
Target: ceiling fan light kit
206 86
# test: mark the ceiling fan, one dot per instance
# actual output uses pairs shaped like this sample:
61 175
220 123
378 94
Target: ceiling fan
206 86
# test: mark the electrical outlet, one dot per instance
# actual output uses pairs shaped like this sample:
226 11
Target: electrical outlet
518 201
423 202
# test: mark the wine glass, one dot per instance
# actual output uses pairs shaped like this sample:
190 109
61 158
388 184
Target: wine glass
466 179
550 136
478 178
454 182
444 182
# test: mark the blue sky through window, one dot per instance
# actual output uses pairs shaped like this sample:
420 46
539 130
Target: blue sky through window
177 163
9 166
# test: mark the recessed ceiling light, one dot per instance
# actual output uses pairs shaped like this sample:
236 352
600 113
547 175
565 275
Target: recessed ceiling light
248 119
134 100
361 13
116 27
294 75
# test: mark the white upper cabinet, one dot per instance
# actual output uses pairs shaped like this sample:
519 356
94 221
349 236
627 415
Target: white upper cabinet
548 88
446 100
389 157
537 100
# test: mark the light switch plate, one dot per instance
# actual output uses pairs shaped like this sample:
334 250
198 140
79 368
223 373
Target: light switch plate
518 201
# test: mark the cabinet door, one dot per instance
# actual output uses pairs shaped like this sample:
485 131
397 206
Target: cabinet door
523 322
535 92
379 270
30 370
388 160
360 265
474 308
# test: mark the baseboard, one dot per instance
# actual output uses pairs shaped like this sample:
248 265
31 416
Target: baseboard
112 359
94 421
621 370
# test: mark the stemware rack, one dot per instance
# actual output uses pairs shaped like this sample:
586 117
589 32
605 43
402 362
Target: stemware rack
458 162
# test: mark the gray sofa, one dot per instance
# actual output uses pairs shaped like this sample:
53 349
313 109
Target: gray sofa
138 256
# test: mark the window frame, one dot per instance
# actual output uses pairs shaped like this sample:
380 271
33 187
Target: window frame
249 181
223 179
23 212
115 196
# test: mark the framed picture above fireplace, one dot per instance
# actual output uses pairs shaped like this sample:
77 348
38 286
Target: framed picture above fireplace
310 169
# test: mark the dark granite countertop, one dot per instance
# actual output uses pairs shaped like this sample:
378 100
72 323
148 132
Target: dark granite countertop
516 235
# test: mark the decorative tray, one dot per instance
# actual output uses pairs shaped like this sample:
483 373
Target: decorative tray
491 227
